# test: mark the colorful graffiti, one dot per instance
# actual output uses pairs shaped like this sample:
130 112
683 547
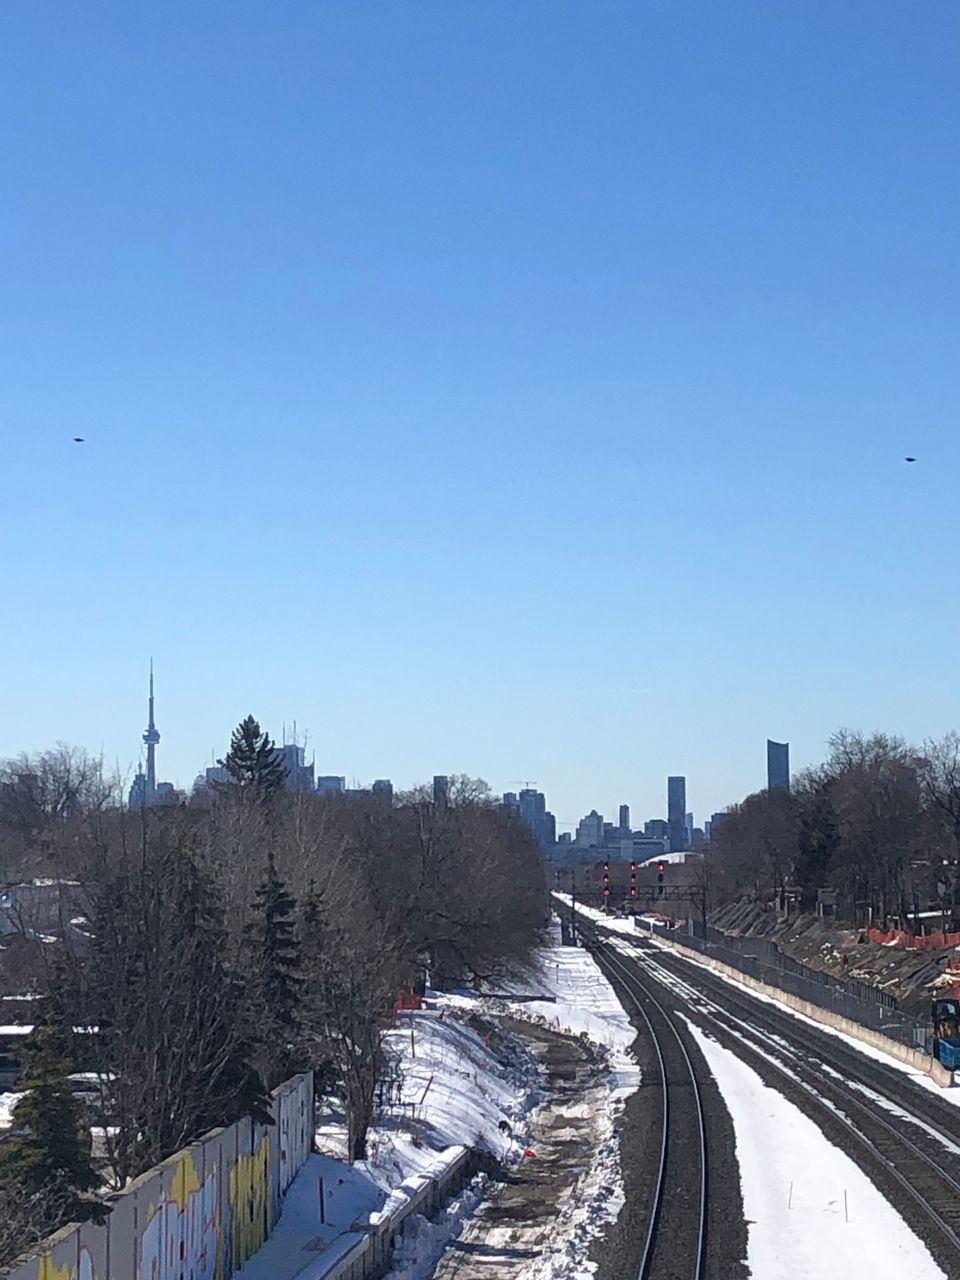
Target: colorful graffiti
200 1215
250 1201
183 1230
50 1270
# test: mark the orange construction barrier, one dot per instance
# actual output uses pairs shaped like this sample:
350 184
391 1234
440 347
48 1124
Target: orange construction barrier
932 941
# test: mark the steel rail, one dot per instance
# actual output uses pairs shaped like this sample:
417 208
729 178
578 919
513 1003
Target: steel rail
631 982
927 1163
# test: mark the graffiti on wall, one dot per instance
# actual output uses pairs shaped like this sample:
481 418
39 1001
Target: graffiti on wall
183 1229
50 1270
250 1201
199 1217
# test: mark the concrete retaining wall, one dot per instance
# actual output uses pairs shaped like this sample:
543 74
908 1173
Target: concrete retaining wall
198 1216
367 1256
915 1058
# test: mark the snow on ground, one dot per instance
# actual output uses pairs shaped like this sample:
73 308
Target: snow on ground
580 1002
585 1003
811 1213
349 1198
871 1051
423 1240
454 1091
7 1103
861 1046
456 1086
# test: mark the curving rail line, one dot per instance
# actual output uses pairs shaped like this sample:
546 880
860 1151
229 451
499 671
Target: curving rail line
662 1257
934 1191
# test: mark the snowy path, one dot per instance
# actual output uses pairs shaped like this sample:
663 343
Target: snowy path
539 1222
543 1228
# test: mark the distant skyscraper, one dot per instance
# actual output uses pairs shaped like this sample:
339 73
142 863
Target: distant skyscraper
383 788
778 765
590 830
331 782
138 791
441 790
533 805
624 820
716 822
299 773
677 812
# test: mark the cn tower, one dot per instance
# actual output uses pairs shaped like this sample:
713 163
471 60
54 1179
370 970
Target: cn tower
151 737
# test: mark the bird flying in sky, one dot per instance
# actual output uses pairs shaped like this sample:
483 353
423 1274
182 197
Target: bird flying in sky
909 459
78 440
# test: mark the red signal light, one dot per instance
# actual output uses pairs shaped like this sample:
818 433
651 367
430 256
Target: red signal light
661 867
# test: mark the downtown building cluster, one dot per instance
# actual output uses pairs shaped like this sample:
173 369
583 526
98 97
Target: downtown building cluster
146 791
595 838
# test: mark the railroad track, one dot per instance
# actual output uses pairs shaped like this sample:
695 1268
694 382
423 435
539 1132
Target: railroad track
816 1045
927 1187
674 1247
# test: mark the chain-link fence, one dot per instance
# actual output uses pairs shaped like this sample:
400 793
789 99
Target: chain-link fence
763 960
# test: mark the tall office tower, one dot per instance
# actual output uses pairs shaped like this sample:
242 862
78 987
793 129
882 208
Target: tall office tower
624 820
441 790
778 765
548 832
677 812
383 788
331 782
299 776
590 831
533 805
716 822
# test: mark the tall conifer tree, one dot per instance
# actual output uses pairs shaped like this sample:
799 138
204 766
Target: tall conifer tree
47 1155
276 973
253 760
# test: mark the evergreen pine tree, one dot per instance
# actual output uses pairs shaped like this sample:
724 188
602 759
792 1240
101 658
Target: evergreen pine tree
47 1154
276 966
253 760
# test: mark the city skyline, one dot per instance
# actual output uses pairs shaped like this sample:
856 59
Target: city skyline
580 405
529 803
300 755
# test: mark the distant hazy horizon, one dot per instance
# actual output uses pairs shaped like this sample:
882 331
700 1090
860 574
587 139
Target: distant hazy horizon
515 390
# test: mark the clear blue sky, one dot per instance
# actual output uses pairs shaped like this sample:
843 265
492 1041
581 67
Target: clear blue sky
519 389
